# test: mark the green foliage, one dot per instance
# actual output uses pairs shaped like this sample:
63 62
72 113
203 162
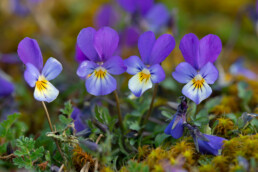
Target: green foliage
6 125
134 166
26 154
68 108
244 94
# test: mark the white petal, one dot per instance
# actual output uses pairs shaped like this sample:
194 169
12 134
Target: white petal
137 86
45 91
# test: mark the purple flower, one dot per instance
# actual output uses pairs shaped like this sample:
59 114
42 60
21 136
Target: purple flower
198 71
238 69
204 143
148 70
175 127
79 56
6 88
136 6
99 46
106 16
35 74
149 16
22 8
130 36
210 146
78 124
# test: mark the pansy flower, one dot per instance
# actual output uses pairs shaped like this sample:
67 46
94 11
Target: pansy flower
35 74
99 47
176 127
198 71
78 123
148 70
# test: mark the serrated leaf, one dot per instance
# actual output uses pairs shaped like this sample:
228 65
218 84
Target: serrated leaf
38 153
65 120
6 124
68 108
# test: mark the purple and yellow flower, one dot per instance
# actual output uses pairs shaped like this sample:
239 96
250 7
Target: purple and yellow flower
148 70
176 126
7 87
35 74
99 47
198 71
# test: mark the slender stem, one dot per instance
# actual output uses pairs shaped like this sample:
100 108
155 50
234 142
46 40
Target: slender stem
151 105
52 130
120 121
145 118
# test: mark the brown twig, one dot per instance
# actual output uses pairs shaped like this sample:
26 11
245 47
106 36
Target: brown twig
120 121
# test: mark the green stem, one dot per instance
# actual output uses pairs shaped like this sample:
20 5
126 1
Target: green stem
145 118
120 121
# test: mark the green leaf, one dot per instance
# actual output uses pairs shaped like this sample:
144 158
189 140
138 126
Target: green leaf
160 138
6 124
134 125
65 120
68 109
212 102
37 153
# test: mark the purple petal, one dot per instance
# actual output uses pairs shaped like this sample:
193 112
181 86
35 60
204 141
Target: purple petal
177 131
106 41
130 36
106 16
79 125
210 47
52 68
79 55
144 6
31 74
210 73
215 141
189 46
162 48
100 86
85 41
238 69
212 146
6 87
134 65
197 94
145 45
184 73
11 58
157 18
29 52
115 65
86 68
76 113
157 73
128 5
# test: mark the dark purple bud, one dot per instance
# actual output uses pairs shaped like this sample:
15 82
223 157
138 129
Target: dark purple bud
90 145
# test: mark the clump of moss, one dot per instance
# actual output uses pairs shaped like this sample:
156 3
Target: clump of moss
224 126
245 146
80 158
228 104
207 168
220 163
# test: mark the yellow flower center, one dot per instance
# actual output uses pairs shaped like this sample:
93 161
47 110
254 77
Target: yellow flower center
144 75
41 84
198 81
100 72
